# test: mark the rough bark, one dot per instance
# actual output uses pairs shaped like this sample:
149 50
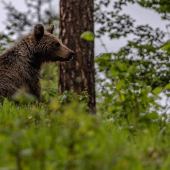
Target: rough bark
76 17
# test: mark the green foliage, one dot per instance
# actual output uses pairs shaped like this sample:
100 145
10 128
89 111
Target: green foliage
145 49
134 78
49 81
5 41
88 35
65 137
23 97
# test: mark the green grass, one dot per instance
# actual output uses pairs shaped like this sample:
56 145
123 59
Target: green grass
68 138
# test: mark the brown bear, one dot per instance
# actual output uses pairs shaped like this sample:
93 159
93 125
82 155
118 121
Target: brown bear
20 65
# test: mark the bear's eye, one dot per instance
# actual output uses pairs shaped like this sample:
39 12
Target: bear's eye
57 44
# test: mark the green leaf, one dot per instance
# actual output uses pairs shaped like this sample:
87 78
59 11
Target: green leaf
88 35
10 41
122 97
15 24
157 90
114 72
153 115
105 56
167 86
120 85
136 87
166 47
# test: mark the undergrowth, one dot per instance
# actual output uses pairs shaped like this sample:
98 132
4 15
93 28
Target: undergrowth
56 135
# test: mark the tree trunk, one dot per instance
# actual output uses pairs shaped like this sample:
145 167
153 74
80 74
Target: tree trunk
76 17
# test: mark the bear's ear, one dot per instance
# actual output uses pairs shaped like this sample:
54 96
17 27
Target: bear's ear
51 29
38 31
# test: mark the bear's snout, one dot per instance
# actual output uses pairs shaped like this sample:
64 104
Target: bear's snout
71 55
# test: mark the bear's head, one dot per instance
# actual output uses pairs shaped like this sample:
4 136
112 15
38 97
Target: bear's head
48 46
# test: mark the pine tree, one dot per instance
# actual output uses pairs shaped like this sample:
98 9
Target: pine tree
76 17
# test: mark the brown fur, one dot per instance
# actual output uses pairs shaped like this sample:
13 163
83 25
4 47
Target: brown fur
20 65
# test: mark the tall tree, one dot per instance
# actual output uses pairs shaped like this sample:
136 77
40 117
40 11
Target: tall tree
76 17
